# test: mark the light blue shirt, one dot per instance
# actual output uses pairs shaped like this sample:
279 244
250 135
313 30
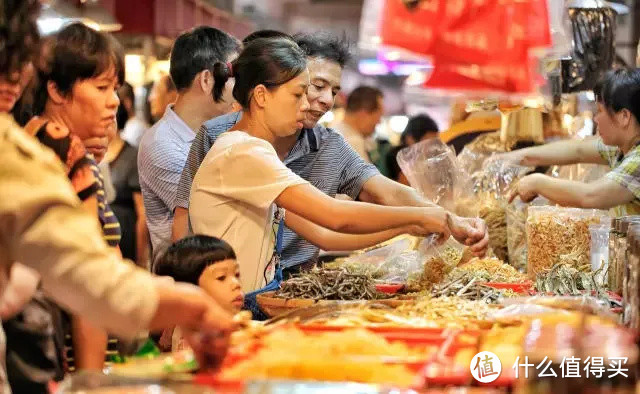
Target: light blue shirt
161 157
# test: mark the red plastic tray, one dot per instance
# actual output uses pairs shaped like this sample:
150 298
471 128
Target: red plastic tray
389 288
520 288
448 341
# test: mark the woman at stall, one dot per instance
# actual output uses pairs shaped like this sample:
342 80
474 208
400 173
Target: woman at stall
242 189
76 105
618 146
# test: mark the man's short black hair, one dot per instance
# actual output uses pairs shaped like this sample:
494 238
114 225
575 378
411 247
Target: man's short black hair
364 98
326 46
187 259
266 33
418 127
199 49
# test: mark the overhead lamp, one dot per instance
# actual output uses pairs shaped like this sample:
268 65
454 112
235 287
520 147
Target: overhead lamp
89 12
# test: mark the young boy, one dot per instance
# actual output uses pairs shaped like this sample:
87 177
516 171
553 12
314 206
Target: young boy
207 262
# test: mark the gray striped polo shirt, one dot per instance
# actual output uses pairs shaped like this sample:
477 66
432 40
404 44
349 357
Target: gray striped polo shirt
161 156
321 156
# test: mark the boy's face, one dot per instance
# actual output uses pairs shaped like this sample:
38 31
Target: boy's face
221 281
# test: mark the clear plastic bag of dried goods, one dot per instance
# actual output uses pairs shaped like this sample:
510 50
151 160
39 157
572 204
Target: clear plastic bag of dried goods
586 304
490 187
436 262
516 234
398 268
559 235
430 166
371 261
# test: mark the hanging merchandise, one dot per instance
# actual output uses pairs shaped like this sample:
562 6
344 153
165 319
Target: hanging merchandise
411 25
514 78
493 32
593 53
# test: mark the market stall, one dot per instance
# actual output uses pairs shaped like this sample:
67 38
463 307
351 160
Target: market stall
555 302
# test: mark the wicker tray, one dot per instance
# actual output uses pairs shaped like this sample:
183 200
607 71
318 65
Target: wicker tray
275 306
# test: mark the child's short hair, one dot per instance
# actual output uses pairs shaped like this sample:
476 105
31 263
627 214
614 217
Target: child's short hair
186 259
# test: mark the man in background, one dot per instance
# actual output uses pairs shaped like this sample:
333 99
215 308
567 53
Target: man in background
162 94
362 114
164 147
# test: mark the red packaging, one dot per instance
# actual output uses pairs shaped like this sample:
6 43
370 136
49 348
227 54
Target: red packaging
412 27
489 32
511 78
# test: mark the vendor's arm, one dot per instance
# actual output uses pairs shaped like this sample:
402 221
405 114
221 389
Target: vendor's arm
602 194
559 153
383 191
330 240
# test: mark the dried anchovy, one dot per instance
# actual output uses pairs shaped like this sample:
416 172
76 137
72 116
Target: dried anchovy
565 279
329 284
469 287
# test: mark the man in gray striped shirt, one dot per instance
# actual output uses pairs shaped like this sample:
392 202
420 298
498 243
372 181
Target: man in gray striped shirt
320 156
163 149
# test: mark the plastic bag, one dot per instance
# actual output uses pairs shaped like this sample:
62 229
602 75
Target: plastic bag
593 47
430 166
585 304
490 187
436 263
516 234
397 268
559 235
580 172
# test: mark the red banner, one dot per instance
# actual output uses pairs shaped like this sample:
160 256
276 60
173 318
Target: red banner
475 44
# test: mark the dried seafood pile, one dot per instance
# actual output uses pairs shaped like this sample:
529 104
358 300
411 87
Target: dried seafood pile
559 235
565 279
327 284
516 234
446 311
469 287
436 268
490 270
493 212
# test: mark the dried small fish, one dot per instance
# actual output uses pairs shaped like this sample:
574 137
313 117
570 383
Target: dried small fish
566 279
469 287
329 284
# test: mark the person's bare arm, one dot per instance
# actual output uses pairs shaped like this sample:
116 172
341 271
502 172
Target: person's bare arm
89 344
180 226
384 191
356 217
142 232
330 240
558 153
602 194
